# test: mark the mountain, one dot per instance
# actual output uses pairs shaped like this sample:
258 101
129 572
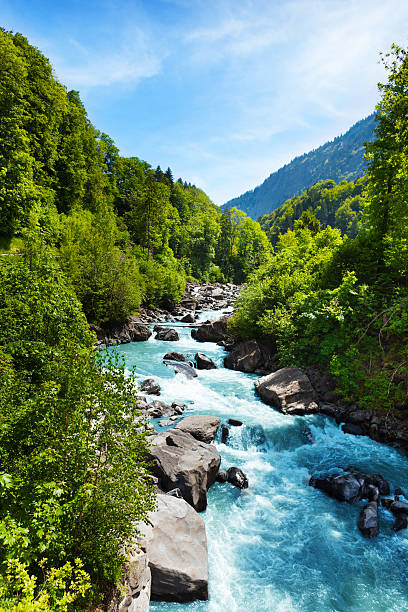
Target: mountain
341 158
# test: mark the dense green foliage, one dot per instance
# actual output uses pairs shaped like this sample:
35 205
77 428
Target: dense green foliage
127 234
342 303
339 206
71 438
338 160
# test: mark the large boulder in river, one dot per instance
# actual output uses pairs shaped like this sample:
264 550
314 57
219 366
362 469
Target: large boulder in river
248 356
167 334
181 461
176 545
203 362
202 427
212 331
289 390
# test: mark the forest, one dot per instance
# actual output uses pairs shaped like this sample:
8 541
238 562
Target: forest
339 206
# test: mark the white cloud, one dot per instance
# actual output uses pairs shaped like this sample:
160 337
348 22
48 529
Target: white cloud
92 67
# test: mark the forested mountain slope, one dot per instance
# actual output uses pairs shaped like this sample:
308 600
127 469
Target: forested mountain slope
341 158
340 206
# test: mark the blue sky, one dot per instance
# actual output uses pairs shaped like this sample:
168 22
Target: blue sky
222 91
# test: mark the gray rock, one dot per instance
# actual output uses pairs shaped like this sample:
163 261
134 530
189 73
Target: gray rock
203 362
178 407
188 318
222 476
212 331
174 356
202 427
166 422
166 334
132 330
150 386
234 422
176 545
245 357
289 390
136 584
159 409
237 478
181 461
368 520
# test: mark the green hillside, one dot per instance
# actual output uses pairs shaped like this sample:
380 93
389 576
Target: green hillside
339 206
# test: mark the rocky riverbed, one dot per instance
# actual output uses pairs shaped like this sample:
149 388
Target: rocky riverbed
274 541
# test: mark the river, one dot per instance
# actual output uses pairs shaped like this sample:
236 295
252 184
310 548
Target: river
280 545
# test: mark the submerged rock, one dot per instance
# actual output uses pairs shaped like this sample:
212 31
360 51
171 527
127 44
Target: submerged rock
181 368
203 362
176 546
181 461
201 426
289 390
167 334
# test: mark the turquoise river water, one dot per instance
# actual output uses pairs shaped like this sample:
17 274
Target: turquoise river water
280 545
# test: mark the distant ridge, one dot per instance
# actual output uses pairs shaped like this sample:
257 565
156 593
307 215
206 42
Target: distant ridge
341 158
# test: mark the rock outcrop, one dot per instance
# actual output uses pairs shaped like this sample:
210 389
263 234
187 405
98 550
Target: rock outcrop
176 546
202 427
289 390
181 461
131 330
